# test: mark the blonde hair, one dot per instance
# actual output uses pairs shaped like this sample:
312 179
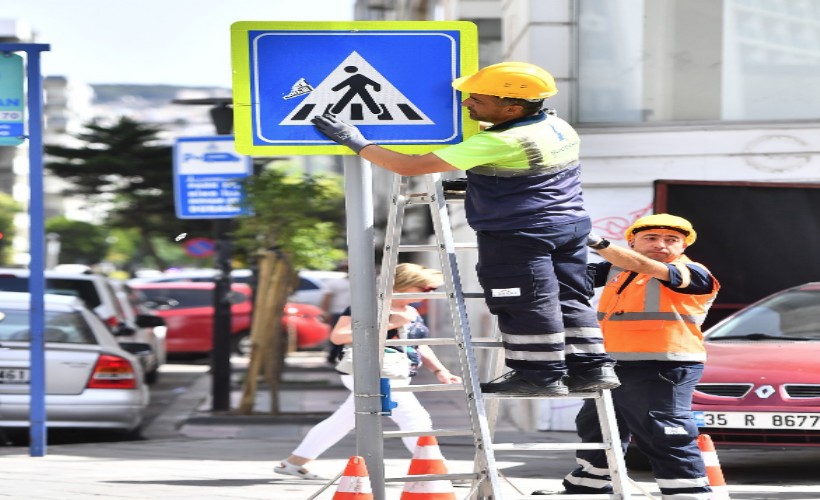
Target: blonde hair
413 275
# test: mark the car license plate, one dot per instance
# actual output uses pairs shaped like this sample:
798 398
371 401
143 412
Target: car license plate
14 376
757 420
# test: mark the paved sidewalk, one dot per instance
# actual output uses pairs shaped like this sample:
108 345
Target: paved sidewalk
192 454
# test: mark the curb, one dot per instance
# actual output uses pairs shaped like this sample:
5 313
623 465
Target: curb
168 423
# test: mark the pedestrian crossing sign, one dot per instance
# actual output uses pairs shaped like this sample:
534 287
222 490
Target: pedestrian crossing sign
392 79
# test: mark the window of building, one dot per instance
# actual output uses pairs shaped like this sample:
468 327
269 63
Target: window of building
698 60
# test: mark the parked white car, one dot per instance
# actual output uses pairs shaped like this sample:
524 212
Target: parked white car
143 325
91 380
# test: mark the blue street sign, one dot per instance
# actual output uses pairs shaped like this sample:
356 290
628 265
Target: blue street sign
207 178
12 100
391 79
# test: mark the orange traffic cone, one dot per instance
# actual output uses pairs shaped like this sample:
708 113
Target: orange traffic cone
355 482
707 449
427 459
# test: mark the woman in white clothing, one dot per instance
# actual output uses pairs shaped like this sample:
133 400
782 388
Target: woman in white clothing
409 415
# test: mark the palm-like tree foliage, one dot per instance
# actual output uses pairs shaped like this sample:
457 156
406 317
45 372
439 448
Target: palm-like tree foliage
127 167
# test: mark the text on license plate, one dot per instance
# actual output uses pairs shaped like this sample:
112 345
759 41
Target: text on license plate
757 420
14 376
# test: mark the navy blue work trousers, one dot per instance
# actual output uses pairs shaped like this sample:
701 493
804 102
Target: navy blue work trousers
536 283
653 407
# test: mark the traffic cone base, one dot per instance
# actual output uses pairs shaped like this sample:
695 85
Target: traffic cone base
713 472
427 459
355 482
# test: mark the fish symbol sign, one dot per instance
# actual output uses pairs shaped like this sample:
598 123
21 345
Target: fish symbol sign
390 78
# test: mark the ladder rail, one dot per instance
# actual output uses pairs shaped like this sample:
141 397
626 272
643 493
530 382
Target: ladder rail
485 458
392 240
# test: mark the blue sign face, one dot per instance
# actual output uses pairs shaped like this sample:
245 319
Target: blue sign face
394 85
12 100
208 176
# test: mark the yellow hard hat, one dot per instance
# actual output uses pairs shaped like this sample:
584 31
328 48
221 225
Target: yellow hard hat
509 79
663 221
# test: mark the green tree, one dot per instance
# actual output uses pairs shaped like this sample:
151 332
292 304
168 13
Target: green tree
126 166
293 227
80 242
299 214
8 207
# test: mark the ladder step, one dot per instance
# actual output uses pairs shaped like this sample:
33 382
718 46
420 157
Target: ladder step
436 248
487 342
432 477
435 295
584 496
413 199
549 446
427 341
428 388
420 295
433 432
580 395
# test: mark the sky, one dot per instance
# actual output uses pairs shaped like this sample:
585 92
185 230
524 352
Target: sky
175 42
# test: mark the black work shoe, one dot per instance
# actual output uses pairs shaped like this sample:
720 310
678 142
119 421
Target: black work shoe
602 377
514 383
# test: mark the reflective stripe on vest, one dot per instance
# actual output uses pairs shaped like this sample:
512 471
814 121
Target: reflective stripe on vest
644 320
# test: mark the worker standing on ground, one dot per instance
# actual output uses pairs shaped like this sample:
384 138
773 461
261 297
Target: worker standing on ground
524 202
652 306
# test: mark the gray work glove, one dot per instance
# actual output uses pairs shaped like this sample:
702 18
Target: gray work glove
341 132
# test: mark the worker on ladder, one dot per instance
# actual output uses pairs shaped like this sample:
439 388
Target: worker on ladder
653 303
524 201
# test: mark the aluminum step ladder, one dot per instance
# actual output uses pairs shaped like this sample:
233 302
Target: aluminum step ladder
482 409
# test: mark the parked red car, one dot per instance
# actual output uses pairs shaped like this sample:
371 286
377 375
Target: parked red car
761 386
187 308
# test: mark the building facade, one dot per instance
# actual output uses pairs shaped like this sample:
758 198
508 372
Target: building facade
708 90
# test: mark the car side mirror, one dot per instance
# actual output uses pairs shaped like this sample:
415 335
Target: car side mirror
161 303
235 297
137 348
123 330
149 321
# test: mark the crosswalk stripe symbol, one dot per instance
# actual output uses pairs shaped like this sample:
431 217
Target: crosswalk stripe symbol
357 93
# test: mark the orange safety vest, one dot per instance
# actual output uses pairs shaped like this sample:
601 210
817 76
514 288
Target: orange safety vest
645 320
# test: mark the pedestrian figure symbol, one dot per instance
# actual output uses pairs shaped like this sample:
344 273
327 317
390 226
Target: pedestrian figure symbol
356 92
357 86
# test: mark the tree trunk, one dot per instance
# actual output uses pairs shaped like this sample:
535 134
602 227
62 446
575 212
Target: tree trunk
268 344
149 249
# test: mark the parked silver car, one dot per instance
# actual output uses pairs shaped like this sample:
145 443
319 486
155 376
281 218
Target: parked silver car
91 380
98 293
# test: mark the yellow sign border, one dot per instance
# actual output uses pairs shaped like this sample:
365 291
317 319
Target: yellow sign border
242 99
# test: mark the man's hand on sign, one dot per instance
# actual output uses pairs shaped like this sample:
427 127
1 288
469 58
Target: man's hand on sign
341 132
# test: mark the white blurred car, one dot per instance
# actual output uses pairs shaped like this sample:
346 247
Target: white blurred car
141 325
310 289
91 380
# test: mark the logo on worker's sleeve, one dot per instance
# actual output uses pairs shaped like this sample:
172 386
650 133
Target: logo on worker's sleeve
357 93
